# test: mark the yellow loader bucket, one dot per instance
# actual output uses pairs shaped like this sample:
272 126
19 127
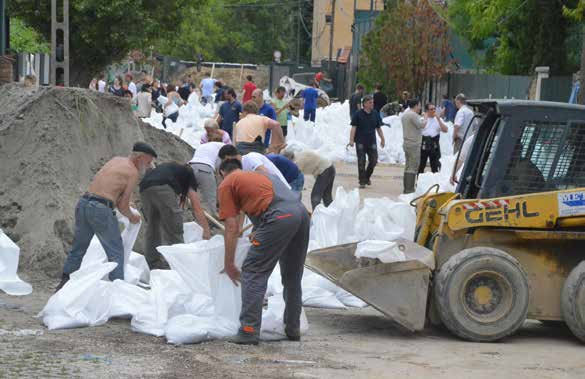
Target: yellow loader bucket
398 290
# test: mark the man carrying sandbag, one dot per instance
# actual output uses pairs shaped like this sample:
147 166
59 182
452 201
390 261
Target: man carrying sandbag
281 234
163 192
110 188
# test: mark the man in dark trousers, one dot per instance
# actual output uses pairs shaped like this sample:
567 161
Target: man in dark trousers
364 126
163 192
281 234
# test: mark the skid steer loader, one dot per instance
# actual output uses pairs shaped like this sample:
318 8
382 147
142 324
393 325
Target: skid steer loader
507 245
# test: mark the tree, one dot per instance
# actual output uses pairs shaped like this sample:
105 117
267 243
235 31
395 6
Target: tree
516 35
407 47
578 14
24 39
104 31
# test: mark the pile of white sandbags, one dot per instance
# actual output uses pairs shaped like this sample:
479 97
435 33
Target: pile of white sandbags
9 280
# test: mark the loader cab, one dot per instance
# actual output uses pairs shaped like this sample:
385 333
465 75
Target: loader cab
540 147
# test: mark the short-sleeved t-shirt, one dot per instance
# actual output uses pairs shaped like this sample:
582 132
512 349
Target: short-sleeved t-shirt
379 100
207 154
366 125
354 101
249 87
268 111
230 113
249 192
207 85
253 160
179 177
282 118
463 119
310 95
250 127
287 168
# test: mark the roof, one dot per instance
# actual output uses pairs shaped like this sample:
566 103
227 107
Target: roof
527 103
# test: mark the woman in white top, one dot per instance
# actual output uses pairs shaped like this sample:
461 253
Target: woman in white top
430 148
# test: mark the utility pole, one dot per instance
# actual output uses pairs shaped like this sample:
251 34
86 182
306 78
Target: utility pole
3 31
299 33
331 34
61 65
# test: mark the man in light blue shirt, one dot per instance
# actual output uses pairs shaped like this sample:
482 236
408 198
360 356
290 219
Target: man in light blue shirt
206 86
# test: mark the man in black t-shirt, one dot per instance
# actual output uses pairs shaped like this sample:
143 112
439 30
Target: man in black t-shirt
364 126
163 192
355 101
379 98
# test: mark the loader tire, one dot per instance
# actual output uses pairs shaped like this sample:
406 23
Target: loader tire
482 294
573 301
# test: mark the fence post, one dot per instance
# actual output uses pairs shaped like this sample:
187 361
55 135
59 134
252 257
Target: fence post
542 73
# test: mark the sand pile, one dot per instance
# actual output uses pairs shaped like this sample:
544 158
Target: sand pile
52 141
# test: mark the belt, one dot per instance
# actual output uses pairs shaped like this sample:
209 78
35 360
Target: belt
92 197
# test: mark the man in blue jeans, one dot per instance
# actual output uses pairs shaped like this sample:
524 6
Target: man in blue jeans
111 188
310 96
365 123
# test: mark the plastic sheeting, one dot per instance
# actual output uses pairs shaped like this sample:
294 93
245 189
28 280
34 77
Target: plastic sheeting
9 280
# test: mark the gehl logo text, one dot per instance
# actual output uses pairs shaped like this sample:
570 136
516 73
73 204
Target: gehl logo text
505 213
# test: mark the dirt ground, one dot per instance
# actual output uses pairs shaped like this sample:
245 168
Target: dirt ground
356 343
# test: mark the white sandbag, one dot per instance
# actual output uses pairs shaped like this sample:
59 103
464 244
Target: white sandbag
138 270
126 299
374 221
385 251
168 294
273 320
188 329
320 298
192 232
96 254
9 280
83 301
191 261
349 300
274 286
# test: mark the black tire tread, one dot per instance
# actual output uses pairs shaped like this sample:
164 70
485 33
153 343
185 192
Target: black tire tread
568 307
441 281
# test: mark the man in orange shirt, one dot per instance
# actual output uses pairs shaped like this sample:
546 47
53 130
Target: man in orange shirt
281 234
249 87
250 131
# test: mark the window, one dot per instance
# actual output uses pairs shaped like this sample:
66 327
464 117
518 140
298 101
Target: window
547 156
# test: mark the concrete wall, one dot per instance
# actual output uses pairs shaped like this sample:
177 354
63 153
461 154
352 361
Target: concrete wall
344 18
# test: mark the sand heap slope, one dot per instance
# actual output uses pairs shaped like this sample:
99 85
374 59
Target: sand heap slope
52 141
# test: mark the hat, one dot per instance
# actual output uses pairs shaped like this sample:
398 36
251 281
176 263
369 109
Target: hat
143 147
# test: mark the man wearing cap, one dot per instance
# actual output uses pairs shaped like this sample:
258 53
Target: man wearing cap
110 188
163 192
281 234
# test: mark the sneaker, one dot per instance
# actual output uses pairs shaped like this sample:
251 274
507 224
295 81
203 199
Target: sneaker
64 280
243 338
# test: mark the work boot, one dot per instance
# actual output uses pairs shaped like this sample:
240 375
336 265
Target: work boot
243 338
369 182
293 334
64 279
409 182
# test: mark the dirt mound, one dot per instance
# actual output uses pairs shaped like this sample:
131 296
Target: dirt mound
52 141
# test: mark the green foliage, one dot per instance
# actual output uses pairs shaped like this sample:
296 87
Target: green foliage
24 39
239 31
407 47
527 33
104 31
577 13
